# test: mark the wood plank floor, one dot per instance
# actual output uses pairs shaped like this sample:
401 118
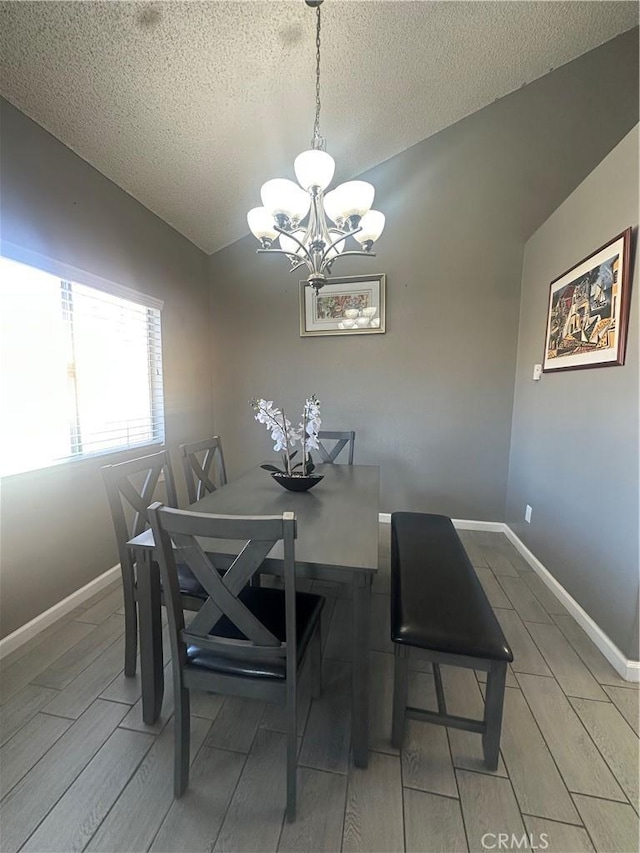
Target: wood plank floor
81 771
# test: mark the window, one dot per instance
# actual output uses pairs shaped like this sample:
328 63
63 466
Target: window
80 367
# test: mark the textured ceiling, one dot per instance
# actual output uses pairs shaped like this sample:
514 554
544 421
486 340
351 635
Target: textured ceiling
191 106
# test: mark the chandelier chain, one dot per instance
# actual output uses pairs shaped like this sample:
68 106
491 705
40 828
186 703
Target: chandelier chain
318 142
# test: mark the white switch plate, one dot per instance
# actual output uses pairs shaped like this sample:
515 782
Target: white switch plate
537 372
527 514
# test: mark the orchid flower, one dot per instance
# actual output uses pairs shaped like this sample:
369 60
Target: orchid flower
284 435
309 427
279 424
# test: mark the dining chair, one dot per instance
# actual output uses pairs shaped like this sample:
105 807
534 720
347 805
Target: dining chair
341 438
131 488
245 641
203 464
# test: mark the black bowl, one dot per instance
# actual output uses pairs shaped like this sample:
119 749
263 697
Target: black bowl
297 482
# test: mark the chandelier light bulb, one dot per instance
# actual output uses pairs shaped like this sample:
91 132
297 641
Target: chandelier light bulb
283 197
333 206
314 168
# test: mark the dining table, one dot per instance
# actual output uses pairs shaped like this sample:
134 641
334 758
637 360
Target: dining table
337 541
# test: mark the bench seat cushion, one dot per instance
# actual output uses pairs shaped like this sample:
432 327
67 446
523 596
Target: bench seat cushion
437 601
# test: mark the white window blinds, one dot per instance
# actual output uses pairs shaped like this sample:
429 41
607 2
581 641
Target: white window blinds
80 368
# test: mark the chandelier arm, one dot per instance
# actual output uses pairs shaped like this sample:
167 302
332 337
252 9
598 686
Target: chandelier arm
302 263
340 239
361 254
275 252
293 237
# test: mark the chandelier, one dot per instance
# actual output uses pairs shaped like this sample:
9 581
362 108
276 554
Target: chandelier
332 218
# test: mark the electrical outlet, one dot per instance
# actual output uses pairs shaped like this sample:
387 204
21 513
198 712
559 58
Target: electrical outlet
527 514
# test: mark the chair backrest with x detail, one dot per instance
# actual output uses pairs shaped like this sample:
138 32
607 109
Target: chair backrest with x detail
131 488
200 459
341 438
260 534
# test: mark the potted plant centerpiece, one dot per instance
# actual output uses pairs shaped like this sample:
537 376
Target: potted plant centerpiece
297 476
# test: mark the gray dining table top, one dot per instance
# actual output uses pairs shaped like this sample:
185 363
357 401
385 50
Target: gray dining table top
337 519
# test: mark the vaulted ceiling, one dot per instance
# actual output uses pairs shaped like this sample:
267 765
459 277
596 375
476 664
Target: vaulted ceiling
191 106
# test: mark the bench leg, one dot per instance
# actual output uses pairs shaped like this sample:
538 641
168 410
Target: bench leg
437 677
400 684
494 702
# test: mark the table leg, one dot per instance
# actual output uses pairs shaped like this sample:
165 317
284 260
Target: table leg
149 616
360 675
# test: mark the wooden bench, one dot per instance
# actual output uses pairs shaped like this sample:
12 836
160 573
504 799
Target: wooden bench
439 606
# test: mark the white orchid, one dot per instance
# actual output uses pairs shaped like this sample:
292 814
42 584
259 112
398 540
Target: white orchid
310 424
285 436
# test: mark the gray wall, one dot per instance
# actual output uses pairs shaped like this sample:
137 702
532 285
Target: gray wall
431 400
56 528
574 453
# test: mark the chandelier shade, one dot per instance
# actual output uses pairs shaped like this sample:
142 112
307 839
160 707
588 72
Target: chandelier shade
314 168
354 198
262 224
284 198
371 227
289 245
312 228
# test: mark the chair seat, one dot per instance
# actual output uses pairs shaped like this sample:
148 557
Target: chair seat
268 605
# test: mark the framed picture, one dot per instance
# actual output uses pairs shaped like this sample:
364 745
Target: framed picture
588 311
344 306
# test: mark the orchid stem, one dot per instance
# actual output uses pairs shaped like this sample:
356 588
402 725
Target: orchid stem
286 436
304 440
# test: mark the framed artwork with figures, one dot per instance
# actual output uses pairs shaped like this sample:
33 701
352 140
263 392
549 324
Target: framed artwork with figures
588 310
354 305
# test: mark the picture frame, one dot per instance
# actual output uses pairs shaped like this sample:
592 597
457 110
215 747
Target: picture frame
588 310
352 305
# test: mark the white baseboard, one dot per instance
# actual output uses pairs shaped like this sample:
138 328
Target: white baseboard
459 523
628 669
20 636
466 524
